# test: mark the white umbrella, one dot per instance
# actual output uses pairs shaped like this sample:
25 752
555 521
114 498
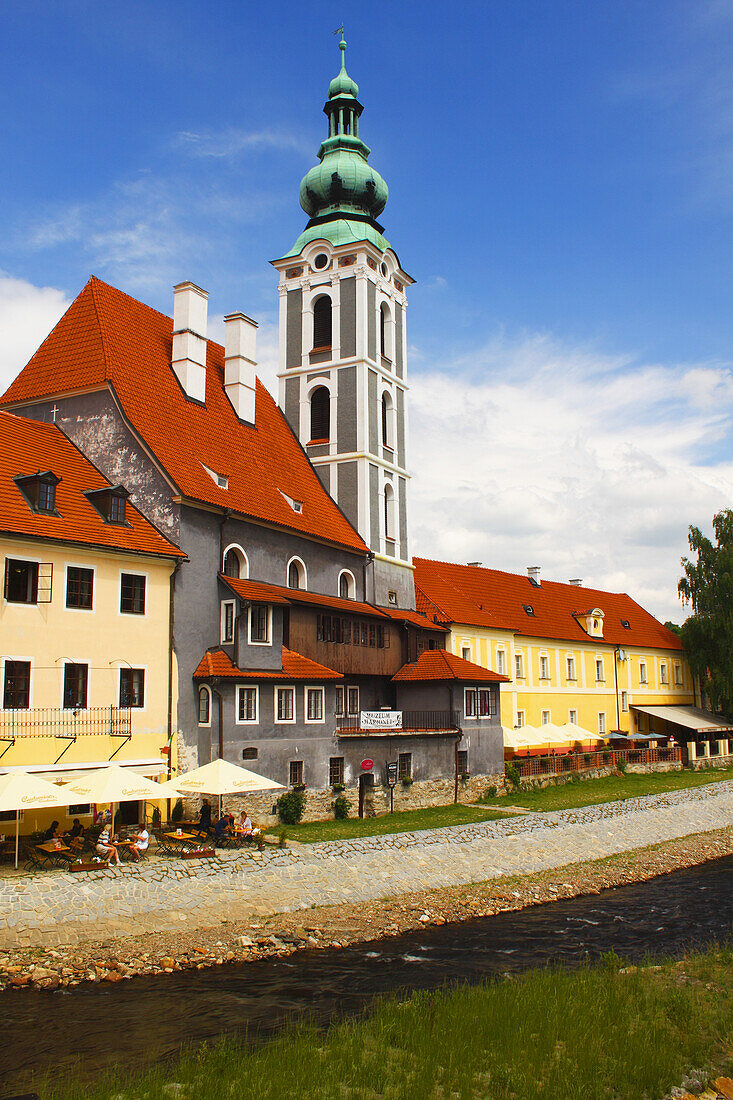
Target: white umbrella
220 777
114 784
21 791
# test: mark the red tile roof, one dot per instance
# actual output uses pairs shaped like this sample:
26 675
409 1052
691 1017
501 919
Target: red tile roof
27 447
438 664
217 663
413 617
274 593
487 597
108 338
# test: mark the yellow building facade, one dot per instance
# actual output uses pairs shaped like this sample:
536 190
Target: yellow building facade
572 654
86 672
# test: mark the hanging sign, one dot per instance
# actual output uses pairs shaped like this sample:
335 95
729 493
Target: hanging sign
391 773
367 765
380 719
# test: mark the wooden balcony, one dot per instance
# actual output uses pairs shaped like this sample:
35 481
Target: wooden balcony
64 725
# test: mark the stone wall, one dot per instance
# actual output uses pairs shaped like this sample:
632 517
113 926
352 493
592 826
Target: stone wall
319 803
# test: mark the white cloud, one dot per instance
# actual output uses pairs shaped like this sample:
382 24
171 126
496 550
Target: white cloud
527 452
27 315
231 141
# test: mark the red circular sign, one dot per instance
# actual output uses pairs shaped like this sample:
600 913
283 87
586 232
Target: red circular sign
367 765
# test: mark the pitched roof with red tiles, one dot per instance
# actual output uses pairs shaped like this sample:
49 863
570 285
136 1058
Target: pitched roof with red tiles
107 338
28 447
275 593
438 664
415 618
217 664
490 598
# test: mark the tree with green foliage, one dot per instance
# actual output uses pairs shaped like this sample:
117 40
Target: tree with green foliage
707 634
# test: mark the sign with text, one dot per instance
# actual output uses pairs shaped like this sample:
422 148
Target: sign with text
367 765
380 719
391 773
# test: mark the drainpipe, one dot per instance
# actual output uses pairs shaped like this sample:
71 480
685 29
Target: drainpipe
459 738
219 696
615 680
367 562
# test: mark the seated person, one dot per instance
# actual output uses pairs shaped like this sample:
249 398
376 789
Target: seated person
52 832
205 817
106 848
222 828
245 824
75 835
140 841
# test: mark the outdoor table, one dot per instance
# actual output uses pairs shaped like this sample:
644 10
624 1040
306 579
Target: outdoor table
53 852
186 840
52 846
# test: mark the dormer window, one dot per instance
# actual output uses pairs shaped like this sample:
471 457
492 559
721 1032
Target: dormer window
111 503
528 609
626 624
39 491
591 621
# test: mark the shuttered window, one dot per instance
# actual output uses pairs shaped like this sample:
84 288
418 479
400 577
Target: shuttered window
320 414
322 323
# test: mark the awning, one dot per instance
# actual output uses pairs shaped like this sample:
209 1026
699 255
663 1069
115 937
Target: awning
56 773
692 718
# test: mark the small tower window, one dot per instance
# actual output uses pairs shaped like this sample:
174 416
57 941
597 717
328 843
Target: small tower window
321 261
384 333
322 323
389 524
320 414
231 564
387 421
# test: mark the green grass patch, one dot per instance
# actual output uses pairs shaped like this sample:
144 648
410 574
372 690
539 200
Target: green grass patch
406 821
596 1033
612 788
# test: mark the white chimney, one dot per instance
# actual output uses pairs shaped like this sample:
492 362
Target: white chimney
577 581
533 572
190 305
240 349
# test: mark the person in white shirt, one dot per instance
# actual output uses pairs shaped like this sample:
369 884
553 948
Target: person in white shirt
106 848
140 842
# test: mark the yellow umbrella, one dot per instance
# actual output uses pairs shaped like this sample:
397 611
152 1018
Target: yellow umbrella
219 777
113 784
22 791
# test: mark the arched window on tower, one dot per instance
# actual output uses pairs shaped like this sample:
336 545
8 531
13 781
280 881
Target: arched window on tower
387 440
384 331
320 414
389 524
322 323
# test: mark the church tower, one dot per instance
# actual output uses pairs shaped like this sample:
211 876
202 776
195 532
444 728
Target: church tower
343 362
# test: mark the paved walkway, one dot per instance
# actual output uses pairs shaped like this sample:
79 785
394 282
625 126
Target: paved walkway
57 908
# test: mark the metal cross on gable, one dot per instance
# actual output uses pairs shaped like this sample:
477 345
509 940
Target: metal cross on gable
54 409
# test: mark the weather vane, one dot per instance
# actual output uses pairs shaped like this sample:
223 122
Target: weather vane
340 30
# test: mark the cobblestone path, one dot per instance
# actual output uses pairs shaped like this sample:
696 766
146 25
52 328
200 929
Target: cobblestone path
59 908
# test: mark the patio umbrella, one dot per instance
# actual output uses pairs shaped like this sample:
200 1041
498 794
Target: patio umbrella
114 784
219 777
21 791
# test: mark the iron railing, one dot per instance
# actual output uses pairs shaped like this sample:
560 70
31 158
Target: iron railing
584 761
413 721
60 722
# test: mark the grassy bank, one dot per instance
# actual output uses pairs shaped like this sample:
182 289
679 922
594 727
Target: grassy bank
598 1033
591 792
406 821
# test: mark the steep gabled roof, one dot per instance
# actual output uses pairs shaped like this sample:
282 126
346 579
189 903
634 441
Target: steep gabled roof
277 594
438 664
490 598
27 447
108 338
216 664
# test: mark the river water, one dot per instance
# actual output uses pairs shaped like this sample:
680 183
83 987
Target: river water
140 1021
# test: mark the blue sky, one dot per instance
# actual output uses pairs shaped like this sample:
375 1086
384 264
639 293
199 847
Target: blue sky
561 186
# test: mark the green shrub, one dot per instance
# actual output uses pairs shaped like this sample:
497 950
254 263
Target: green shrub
489 793
156 818
341 808
621 766
290 807
177 811
515 779
338 787
282 838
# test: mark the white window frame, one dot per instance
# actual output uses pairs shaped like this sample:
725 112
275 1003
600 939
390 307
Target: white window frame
643 674
501 662
284 721
466 649
542 717
222 621
133 614
663 676
521 719
92 569
340 709
544 666
624 701
303 573
244 573
678 681
135 668
602 678
247 721
322 692
207 689
27 660
352 713
570 668
572 717
519 666
485 717
602 722
250 640
351 582
474 693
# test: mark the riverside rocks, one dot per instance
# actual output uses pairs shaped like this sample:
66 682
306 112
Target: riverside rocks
337 926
